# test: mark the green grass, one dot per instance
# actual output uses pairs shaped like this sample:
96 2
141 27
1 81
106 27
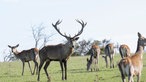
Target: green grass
11 72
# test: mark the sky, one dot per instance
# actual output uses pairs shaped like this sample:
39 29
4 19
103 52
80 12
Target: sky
118 20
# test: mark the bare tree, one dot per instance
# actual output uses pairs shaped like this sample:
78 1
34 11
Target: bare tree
83 47
46 39
37 33
9 57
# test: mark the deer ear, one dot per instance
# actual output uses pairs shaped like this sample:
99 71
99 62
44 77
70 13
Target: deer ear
139 35
17 45
9 46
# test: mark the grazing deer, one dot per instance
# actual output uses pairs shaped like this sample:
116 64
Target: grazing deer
124 50
93 62
60 52
26 56
132 65
109 52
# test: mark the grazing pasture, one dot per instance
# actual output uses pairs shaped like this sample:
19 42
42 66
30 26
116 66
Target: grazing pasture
11 71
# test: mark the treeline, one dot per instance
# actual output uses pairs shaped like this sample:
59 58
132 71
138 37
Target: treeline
83 47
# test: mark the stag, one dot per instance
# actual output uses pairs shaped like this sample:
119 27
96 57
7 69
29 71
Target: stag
60 52
93 62
132 65
109 52
124 50
26 56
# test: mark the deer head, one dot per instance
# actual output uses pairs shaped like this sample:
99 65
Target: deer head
89 62
70 40
13 48
141 40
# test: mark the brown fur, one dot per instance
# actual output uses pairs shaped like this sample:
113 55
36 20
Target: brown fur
109 52
93 62
134 62
124 50
132 65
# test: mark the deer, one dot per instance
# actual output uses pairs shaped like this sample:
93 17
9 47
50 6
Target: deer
60 52
93 62
109 52
132 65
124 50
26 56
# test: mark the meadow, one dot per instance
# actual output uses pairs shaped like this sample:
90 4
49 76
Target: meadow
11 71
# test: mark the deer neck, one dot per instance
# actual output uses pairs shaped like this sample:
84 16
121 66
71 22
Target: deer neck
16 52
139 51
68 48
138 47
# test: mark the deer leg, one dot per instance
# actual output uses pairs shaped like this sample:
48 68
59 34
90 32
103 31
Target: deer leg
106 61
97 59
131 72
45 68
23 64
30 68
97 65
138 77
35 66
65 66
112 61
62 69
123 76
130 78
40 66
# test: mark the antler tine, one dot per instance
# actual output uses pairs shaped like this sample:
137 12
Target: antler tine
83 25
58 22
57 29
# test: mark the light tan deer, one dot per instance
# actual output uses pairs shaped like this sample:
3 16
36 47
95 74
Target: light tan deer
132 65
26 56
60 52
124 50
109 52
93 62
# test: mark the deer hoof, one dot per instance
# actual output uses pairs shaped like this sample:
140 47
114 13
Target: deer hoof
49 79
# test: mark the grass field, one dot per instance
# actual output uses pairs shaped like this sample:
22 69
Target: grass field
11 72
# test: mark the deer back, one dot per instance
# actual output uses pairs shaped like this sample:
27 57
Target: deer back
55 52
28 55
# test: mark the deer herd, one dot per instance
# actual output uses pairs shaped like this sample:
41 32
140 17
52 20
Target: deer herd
129 65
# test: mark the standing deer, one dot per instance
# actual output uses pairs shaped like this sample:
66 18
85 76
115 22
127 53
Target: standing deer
60 52
109 52
124 50
26 56
132 65
93 62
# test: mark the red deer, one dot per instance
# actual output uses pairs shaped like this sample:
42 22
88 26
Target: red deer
93 62
26 56
109 52
132 65
124 50
60 52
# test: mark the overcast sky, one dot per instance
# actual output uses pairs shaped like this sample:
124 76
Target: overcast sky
118 20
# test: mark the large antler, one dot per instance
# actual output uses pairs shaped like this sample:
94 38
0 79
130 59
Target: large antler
83 25
57 29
